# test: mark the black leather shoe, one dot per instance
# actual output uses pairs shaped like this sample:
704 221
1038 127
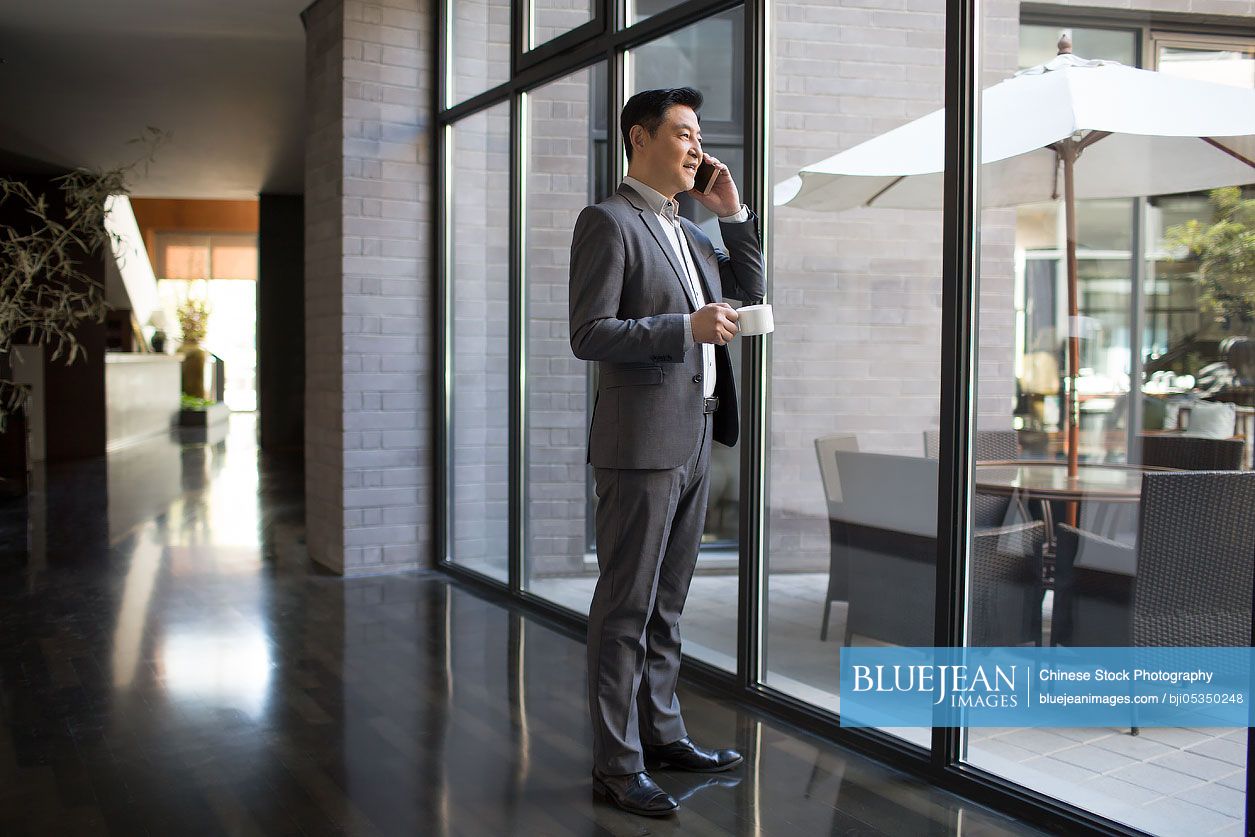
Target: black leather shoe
635 793
685 755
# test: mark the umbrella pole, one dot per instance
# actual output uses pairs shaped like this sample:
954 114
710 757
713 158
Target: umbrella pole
1072 408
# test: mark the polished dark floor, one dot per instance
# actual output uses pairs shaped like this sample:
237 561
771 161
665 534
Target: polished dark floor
171 664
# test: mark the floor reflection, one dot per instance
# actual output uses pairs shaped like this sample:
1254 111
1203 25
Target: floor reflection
171 663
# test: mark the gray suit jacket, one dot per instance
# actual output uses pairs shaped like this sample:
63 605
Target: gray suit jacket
628 301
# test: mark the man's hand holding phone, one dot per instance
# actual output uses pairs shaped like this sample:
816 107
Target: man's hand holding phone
714 323
720 197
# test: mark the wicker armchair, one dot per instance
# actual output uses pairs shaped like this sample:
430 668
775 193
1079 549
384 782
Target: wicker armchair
884 542
1186 582
991 446
1191 453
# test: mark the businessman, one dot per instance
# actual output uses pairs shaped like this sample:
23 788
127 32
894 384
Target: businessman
647 290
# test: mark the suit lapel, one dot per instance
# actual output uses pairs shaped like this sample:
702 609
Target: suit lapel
655 228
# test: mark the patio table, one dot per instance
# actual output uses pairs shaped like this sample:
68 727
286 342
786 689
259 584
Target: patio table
1044 481
1030 480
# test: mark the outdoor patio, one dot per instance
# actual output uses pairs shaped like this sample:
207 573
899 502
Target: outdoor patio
1164 780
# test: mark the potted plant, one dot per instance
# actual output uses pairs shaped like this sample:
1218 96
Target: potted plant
193 315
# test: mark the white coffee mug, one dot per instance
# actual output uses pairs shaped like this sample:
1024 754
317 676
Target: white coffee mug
755 319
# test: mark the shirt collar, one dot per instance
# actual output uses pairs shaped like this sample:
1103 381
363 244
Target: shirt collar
654 199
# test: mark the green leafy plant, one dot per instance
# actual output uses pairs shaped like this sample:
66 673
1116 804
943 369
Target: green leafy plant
1225 251
193 317
45 294
192 402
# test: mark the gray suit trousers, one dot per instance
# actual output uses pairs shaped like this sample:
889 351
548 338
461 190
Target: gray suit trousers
649 528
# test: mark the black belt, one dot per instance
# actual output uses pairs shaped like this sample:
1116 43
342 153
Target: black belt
710 405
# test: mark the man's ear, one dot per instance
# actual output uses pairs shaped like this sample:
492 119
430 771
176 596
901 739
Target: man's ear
637 136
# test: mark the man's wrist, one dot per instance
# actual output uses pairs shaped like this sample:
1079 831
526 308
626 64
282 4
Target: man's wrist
739 217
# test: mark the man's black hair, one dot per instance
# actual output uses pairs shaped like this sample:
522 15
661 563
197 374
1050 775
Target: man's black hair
649 107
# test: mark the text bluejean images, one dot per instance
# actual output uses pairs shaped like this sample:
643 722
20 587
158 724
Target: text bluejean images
1046 687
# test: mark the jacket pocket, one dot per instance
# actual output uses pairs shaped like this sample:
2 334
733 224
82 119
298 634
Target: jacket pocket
643 376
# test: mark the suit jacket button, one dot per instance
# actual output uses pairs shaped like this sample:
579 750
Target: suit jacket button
697 379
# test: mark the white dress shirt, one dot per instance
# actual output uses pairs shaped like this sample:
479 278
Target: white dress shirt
667 211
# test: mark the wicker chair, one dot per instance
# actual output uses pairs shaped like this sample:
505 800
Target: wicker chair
1191 453
884 541
991 446
1186 582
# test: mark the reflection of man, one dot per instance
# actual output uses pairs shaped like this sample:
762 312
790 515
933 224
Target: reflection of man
646 286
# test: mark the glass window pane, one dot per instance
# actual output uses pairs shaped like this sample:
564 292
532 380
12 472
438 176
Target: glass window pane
708 56
1039 44
560 563
854 408
479 244
1232 65
551 18
704 55
480 43
1109 382
638 10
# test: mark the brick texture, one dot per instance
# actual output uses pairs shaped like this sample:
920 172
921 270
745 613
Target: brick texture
369 284
558 187
481 298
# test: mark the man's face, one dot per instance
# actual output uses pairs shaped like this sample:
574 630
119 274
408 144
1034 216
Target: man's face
668 160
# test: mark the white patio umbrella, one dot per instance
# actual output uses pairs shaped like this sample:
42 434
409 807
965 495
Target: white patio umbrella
1072 128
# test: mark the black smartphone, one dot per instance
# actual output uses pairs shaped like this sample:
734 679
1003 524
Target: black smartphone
707 174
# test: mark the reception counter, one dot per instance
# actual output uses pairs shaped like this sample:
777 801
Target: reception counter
141 396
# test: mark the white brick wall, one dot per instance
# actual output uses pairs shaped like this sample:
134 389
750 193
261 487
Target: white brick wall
552 18
369 284
558 189
481 288
481 46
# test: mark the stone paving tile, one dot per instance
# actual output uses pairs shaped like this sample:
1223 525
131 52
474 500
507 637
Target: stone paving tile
1123 791
1223 749
1237 780
1061 771
1236 829
1194 765
1175 737
1082 735
1001 749
1156 778
1181 817
1043 742
1227 801
1134 746
1094 758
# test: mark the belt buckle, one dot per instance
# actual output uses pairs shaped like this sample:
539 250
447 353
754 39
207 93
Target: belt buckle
711 404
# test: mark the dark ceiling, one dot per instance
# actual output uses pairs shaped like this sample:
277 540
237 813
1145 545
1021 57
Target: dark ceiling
223 78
